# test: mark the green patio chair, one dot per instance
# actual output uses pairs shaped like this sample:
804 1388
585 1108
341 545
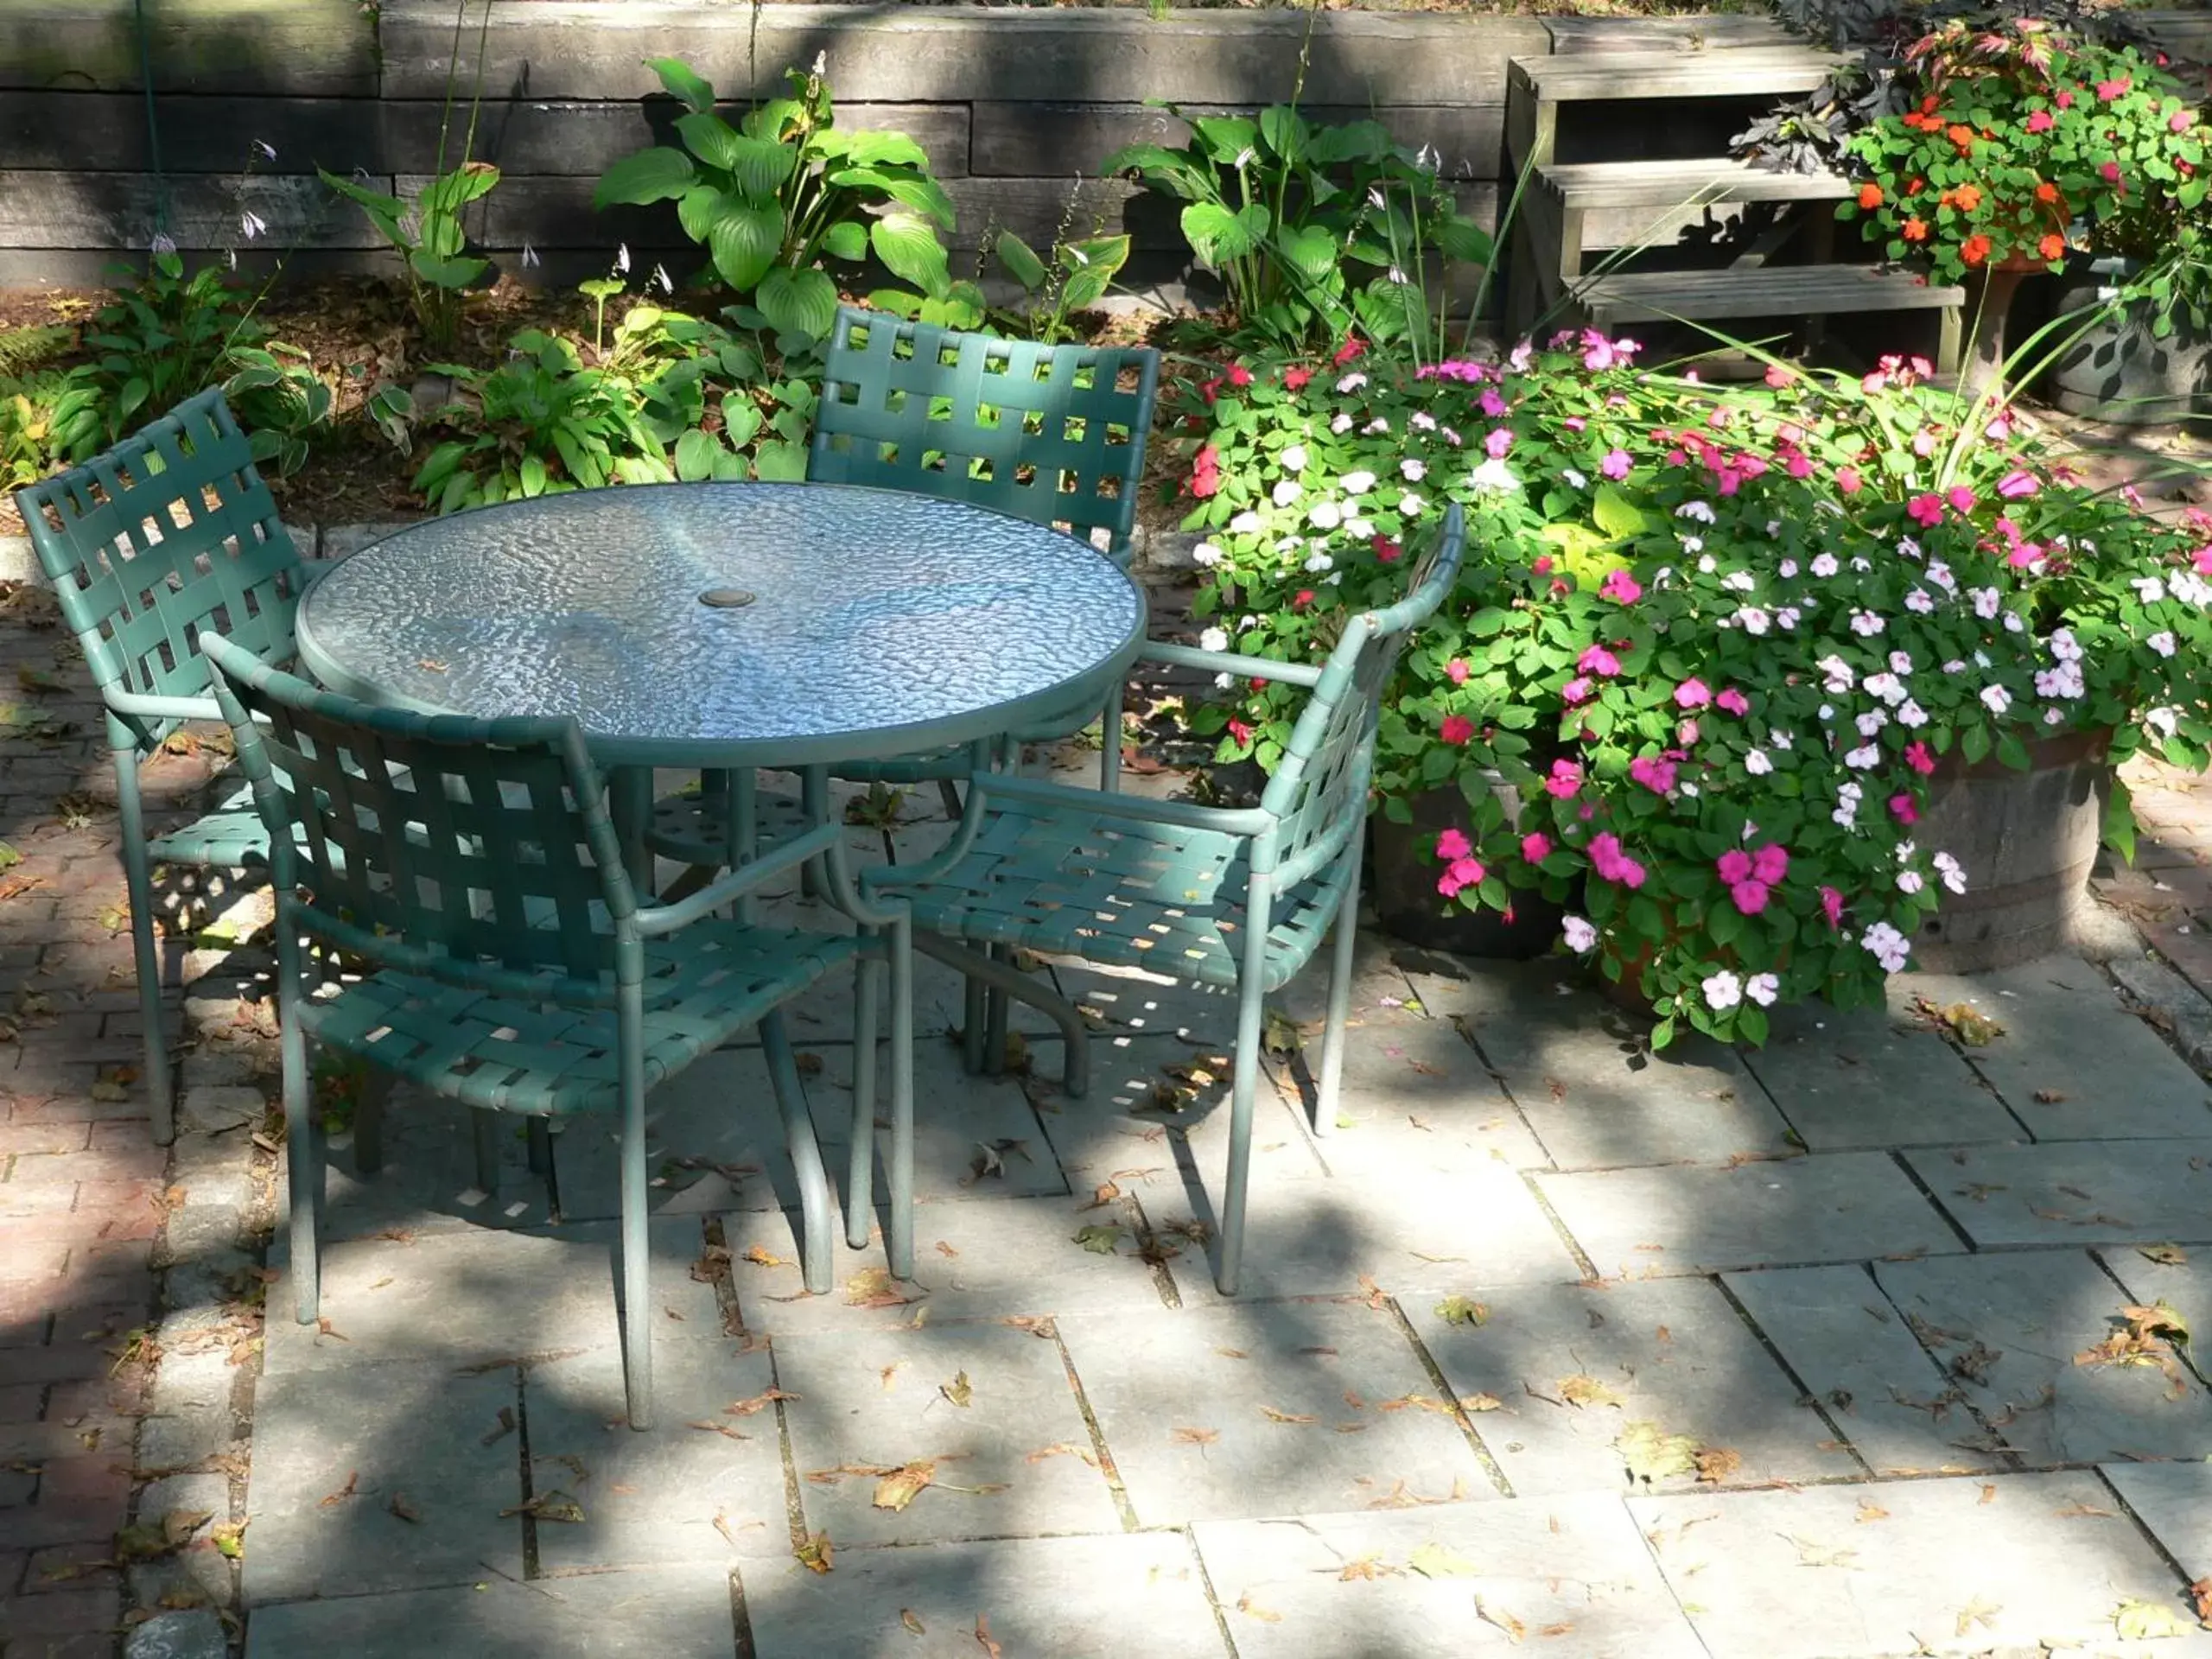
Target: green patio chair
169 535
469 926
1054 434
1237 898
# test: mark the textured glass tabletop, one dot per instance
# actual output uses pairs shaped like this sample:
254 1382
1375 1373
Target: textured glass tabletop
730 624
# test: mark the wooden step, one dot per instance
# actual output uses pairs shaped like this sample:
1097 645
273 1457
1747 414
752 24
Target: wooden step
1746 71
1588 186
1766 291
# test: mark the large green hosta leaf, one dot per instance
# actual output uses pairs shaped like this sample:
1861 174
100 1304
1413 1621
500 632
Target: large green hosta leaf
910 250
797 301
744 241
1218 236
657 175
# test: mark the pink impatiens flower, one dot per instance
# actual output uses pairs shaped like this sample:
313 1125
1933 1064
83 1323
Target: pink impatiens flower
1564 780
1616 464
1770 863
1600 661
1456 728
1621 588
1959 497
1926 510
2040 121
1918 757
1903 810
1749 897
1576 690
2016 484
1655 773
1735 866
1847 479
1611 863
1456 671
1734 701
1832 906
1463 872
1499 442
1535 846
1691 694
1454 843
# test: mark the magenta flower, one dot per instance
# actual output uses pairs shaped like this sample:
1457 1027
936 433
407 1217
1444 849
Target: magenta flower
1454 843
1927 511
1734 702
1464 873
2016 484
1918 757
1621 587
1749 897
1616 464
1611 863
1847 479
2109 90
1456 671
1576 690
1600 661
1493 406
1770 863
2110 172
1535 846
2040 121
1903 810
1456 728
1565 781
1655 773
1735 866
1959 497
1499 440
1832 906
1691 694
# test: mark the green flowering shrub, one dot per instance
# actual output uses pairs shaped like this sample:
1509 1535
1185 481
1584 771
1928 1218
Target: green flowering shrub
1717 639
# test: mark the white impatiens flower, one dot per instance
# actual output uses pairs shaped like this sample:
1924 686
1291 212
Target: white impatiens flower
1754 619
1910 881
1493 475
1697 510
1579 935
1940 574
1912 715
1351 382
2162 642
1786 570
1987 601
1866 624
2150 590
1574 481
1841 678
1358 483
1247 522
1413 470
1324 515
1863 757
1920 602
1870 721
1285 492
2165 721
2065 646
1206 555
1410 505
1781 740
1756 762
1786 618
1996 699
1376 427
2189 588
1214 640
1741 581
1723 991
1824 565
1317 562
1340 425
1890 947
1763 988
1295 458
1707 563
1954 873
1888 687
1421 421
1359 529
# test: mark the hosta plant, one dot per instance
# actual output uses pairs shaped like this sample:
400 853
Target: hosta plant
786 192
1717 641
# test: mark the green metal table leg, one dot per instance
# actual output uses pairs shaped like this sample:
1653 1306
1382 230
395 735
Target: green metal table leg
630 801
805 1153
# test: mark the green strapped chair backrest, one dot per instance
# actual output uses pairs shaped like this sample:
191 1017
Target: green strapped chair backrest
478 853
1051 434
169 534
1318 793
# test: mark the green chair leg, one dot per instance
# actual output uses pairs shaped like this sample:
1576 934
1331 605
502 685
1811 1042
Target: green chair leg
994 1021
161 1098
901 1231
485 1126
368 1122
541 1146
1109 742
1242 1095
973 1017
637 1244
860 1174
805 1155
303 1163
1345 943
947 795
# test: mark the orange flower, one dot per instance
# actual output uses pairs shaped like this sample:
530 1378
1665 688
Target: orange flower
2052 247
1962 137
1915 186
2046 192
1974 249
1915 230
1870 195
1928 105
1967 198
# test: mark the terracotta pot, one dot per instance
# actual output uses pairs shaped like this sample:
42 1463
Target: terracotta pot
1403 867
2028 841
1990 293
2117 370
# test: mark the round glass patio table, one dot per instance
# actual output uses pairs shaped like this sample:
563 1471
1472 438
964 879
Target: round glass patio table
730 625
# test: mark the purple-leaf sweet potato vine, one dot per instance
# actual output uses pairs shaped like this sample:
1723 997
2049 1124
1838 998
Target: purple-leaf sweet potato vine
1716 639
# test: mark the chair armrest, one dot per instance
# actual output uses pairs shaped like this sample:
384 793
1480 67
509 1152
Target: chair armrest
655 920
149 708
1223 662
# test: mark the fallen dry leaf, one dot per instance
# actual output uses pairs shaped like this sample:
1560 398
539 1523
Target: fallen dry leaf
1194 1437
991 1649
959 1392
2166 1255
761 1257
1434 1560
874 1287
1480 1402
1579 1390
352 1487
913 1622
1100 1239
1717 1463
400 1507
1872 1512
1652 1454
2140 1620
759 1402
902 1485
816 1554
1978 1611
1457 1310
1252 1609
1275 1416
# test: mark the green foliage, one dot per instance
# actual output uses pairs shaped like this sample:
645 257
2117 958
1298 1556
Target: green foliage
24 349
31 407
280 400
775 197
154 345
428 237
1315 229
1076 278
672 397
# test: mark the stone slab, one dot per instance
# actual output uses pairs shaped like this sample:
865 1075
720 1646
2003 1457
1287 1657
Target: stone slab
2174 1500
1571 1569
2067 1036
648 1614
1856 1355
2183 1285
2013 1564
1184 1401
193 1633
1140 1597
339 1452
2075 1193
1410 1235
879 1400
653 1498
428 1181
467 1298
972 1261
2008 1328
1415 1095
1671 1352
1584 1078
1837 1206
1861 1077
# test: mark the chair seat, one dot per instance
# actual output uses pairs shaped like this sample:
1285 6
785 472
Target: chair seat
702 986
695 828
230 835
1118 892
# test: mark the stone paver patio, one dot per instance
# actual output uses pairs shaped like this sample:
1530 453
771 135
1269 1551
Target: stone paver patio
1839 1348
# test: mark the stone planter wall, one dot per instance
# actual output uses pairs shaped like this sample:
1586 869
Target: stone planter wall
1016 108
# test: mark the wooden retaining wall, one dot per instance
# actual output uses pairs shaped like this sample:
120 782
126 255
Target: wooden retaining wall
1015 107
